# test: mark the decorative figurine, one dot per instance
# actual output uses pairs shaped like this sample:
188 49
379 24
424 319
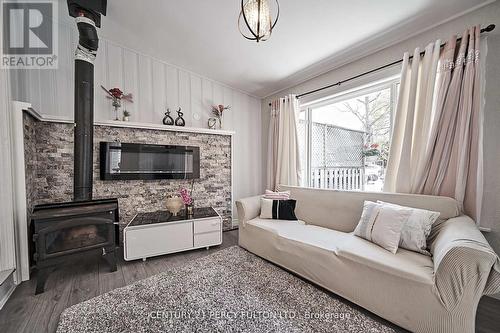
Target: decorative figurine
167 120
179 121
212 123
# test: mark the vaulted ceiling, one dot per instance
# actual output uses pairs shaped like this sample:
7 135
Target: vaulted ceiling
310 37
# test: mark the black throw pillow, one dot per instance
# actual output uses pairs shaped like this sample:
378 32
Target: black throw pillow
278 209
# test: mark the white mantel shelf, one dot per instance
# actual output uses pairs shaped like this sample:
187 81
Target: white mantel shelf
128 124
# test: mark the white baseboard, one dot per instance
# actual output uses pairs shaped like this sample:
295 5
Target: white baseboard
6 290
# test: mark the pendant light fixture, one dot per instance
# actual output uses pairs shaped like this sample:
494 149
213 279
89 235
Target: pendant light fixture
257 17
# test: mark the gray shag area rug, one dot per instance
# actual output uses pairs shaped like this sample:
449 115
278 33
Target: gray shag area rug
231 290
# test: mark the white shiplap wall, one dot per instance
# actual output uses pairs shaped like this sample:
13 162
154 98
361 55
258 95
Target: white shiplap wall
155 85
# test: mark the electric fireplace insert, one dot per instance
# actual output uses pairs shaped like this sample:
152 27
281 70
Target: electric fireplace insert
127 161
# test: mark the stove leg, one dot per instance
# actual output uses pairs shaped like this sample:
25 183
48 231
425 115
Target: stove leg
41 277
110 258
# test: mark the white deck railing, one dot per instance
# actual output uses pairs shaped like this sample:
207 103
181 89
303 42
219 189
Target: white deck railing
348 178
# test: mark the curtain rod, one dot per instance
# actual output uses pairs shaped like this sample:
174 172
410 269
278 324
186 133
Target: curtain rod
489 28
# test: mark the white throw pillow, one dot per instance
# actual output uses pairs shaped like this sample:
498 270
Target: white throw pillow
382 225
266 208
417 228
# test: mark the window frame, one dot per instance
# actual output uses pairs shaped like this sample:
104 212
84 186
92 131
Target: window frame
387 83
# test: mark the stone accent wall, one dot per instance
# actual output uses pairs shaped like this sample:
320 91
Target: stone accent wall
53 163
30 159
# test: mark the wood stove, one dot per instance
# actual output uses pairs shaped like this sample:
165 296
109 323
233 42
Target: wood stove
65 231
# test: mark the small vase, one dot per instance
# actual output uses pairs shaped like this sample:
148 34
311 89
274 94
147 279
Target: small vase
189 210
125 118
220 123
116 105
116 113
174 205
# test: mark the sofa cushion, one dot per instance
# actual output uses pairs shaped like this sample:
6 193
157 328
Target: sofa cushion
324 238
340 210
405 264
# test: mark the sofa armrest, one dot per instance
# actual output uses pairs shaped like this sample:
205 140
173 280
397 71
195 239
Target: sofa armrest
248 208
464 263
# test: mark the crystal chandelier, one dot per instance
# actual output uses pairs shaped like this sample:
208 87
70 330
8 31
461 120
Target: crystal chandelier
258 19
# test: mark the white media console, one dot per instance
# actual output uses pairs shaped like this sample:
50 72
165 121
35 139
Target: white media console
156 233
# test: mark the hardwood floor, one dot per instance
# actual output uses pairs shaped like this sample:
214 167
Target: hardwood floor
488 315
77 282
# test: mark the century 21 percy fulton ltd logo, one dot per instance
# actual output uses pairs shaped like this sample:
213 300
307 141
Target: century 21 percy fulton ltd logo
29 34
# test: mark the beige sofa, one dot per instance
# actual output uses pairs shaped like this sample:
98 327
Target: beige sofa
417 292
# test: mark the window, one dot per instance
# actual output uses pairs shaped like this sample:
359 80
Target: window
344 139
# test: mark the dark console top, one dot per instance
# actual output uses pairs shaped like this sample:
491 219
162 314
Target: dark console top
163 216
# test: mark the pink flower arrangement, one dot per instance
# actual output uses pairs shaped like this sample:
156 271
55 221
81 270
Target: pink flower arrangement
117 95
185 196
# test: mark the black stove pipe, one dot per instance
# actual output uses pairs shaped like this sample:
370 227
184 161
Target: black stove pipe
84 108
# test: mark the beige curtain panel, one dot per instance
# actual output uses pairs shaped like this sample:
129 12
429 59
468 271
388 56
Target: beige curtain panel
272 148
437 132
283 162
410 149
